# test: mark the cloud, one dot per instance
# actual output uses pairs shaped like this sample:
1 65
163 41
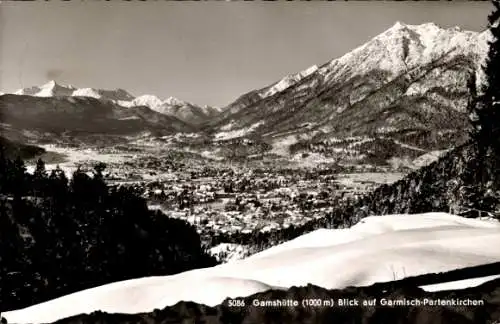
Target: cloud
53 74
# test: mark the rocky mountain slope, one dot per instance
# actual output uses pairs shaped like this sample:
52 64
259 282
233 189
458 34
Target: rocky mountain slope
185 111
406 87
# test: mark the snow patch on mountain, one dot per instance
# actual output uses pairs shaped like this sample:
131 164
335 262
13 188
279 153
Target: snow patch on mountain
228 126
227 252
238 132
428 158
130 118
282 145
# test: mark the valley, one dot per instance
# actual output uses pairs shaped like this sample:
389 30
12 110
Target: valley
219 198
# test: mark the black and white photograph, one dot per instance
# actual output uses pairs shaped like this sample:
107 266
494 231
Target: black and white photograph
249 162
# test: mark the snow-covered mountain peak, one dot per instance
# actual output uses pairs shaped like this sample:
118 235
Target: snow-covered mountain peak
401 26
124 94
86 92
150 101
416 57
174 101
398 26
50 84
399 48
404 47
53 89
207 107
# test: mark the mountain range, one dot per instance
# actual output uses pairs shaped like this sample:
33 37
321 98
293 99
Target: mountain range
82 116
404 91
183 110
406 87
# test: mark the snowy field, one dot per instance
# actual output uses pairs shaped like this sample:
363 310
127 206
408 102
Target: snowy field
233 251
230 134
362 179
377 249
74 157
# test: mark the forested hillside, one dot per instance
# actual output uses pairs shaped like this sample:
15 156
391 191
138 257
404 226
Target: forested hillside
59 236
14 149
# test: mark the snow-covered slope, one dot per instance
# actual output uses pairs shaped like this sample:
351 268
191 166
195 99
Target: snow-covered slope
377 249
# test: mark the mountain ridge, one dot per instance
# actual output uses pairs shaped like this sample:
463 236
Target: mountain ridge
395 36
183 110
403 86
82 116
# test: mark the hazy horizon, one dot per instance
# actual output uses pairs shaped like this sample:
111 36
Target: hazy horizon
208 53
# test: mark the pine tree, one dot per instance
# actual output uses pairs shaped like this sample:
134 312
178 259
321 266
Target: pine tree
488 105
492 88
19 177
484 114
40 171
98 171
472 106
99 185
57 184
3 169
40 179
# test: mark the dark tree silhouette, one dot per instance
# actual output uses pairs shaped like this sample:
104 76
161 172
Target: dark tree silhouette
40 177
486 116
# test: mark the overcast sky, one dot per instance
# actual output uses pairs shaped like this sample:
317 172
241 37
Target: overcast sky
203 52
